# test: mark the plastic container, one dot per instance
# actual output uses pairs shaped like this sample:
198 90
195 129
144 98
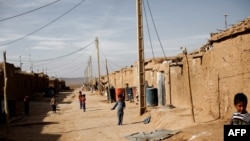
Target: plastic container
151 97
118 91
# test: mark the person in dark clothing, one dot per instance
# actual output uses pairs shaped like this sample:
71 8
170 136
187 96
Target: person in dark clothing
120 105
80 97
83 100
26 102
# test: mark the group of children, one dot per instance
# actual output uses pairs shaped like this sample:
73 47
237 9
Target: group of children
240 117
120 105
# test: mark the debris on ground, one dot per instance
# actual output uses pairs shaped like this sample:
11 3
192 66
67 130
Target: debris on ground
156 135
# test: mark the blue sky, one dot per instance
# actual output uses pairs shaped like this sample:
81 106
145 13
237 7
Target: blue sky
62 45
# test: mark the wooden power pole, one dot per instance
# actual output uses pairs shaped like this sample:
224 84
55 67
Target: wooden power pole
99 74
189 85
91 81
140 46
88 73
5 93
108 93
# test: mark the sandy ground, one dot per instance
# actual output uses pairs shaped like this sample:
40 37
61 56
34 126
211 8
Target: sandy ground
99 123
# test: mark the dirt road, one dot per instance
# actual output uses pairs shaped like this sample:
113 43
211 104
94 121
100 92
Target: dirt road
70 123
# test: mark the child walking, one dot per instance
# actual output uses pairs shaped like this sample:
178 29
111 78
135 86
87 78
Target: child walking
80 99
120 104
26 105
53 104
83 100
241 116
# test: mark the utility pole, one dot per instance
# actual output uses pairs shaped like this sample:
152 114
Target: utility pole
5 93
20 62
98 58
169 79
108 93
91 77
140 47
85 75
189 85
89 73
88 82
31 65
225 21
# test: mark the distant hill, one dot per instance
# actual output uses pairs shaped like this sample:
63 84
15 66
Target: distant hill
73 81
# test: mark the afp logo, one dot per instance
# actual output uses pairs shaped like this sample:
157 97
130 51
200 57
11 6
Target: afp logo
236 132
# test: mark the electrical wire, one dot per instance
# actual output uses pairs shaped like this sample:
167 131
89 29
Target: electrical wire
148 29
44 25
61 56
72 69
115 9
67 61
61 67
109 20
65 55
4 19
113 66
156 29
109 62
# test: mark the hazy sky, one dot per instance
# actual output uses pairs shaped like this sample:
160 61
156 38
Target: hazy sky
59 38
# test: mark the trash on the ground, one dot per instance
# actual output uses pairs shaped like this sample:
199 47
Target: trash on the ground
156 135
147 120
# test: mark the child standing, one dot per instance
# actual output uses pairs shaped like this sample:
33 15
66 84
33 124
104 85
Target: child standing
53 104
120 104
83 100
241 116
80 99
26 105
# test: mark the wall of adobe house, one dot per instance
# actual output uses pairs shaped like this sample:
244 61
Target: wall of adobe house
232 63
112 79
179 89
218 76
204 85
176 85
120 78
128 77
215 78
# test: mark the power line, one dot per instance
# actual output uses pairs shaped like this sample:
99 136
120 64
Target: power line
148 29
61 56
155 28
72 65
44 25
66 60
4 19
114 10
